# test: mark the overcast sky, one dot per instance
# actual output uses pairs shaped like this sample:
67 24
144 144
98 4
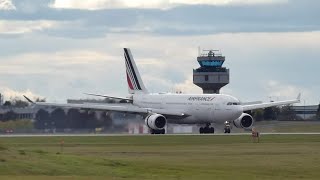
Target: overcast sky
59 49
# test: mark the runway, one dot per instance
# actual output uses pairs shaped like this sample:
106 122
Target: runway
96 135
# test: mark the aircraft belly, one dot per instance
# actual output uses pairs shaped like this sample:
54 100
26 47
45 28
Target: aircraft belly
187 120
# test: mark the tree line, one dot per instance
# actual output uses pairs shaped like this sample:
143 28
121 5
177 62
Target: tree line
282 113
72 119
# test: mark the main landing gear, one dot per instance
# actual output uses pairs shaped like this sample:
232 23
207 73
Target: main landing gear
155 131
207 129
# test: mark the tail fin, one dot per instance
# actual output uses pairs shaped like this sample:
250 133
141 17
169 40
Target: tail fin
135 84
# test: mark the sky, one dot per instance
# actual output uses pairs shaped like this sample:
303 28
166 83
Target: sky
60 49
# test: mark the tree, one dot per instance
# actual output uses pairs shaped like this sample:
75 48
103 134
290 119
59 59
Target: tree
58 119
42 119
76 119
40 99
19 103
287 113
107 120
270 113
7 103
92 121
258 114
10 115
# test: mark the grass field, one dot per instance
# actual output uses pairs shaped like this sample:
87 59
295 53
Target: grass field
161 157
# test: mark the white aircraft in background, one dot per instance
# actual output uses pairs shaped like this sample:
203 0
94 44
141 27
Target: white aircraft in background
160 109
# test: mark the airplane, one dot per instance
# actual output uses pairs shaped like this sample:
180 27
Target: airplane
160 109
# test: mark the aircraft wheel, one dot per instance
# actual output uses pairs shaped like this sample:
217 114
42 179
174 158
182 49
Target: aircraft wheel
154 131
227 130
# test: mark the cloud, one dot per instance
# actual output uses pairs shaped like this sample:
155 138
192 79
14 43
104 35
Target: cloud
63 74
189 18
276 90
225 2
9 93
7 5
53 62
150 4
187 87
21 27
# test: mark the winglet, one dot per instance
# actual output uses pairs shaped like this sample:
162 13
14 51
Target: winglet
28 99
299 97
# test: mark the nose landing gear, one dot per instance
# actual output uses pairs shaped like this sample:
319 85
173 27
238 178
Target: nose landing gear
207 129
227 127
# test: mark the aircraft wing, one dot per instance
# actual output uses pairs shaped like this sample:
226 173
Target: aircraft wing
127 108
112 97
270 104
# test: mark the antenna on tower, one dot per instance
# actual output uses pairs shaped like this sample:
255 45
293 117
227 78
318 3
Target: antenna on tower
199 51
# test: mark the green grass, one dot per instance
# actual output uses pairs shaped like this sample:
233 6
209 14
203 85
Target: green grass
161 157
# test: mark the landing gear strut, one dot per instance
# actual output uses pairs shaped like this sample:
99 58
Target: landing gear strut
207 129
155 131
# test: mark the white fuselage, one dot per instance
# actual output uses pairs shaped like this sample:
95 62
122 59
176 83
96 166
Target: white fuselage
200 108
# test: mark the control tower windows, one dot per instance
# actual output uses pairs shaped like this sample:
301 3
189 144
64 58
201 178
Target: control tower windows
206 77
211 63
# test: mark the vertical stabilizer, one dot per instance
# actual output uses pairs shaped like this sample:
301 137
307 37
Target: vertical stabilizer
135 84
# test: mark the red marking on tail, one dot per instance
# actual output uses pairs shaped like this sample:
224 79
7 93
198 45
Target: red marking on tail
129 82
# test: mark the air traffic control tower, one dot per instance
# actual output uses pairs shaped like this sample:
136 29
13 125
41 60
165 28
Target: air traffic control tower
211 76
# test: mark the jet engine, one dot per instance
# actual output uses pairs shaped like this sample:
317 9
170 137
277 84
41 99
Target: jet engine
155 121
244 121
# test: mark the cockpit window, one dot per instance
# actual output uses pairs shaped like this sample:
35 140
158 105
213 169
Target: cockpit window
233 103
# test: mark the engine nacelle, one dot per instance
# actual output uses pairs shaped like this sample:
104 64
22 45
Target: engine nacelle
244 121
155 121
